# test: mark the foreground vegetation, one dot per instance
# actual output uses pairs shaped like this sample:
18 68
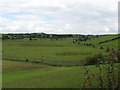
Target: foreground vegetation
27 75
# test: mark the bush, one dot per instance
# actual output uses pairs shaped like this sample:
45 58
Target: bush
30 38
101 47
27 60
94 60
108 74
107 49
93 45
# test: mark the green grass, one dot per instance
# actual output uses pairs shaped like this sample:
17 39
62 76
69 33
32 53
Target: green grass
100 39
60 52
27 75
16 75
111 44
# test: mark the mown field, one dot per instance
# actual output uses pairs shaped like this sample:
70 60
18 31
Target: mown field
43 63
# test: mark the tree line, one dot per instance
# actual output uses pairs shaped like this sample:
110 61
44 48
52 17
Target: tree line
31 36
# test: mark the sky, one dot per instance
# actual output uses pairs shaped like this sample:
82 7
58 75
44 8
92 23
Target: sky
59 16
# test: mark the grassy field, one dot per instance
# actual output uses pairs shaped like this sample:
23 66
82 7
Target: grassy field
101 38
27 75
52 59
111 44
60 52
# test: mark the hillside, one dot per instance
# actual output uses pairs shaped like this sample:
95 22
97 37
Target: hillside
105 41
57 52
101 38
59 63
42 76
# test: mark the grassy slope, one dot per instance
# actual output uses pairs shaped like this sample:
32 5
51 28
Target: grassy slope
27 75
17 75
61 52
100 39
111 44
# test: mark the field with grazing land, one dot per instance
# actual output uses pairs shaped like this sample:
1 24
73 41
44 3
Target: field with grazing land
60 52
110 44
59 44
60 63
102 38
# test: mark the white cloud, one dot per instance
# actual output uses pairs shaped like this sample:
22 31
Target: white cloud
67 27
106 29
59 16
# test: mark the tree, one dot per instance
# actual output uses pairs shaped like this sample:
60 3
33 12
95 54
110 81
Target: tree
108 49
30 38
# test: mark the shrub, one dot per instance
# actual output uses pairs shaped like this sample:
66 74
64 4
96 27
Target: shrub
93 45
94 60
30 38
107 75
107 49
101 47
27 60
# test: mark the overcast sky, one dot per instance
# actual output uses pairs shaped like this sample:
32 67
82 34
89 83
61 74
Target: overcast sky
59 16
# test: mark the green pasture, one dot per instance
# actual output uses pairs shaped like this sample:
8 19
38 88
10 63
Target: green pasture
53 52
101 38
27 75
43 63
111 44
